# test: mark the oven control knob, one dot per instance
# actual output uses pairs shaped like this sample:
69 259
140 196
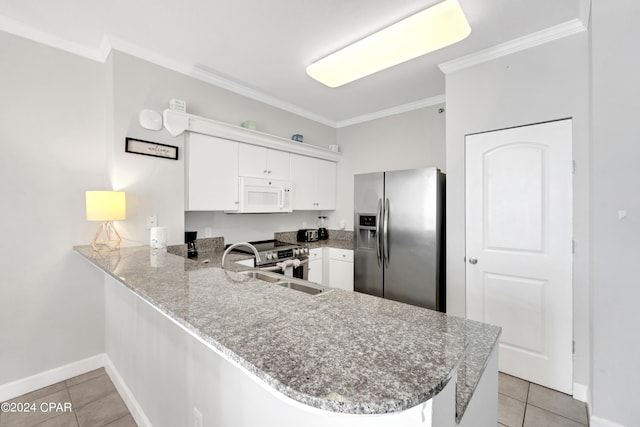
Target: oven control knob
269 255
296 251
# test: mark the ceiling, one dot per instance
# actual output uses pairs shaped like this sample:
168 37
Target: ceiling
261 48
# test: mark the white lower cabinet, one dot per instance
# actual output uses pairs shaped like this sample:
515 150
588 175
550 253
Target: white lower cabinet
316 265
341 268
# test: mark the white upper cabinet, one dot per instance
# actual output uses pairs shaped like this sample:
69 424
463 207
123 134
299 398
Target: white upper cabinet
212 173
261 162
326 173
314 183
218 153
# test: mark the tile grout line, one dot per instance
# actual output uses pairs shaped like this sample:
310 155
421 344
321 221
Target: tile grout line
556 414
526 403
75 412
118 419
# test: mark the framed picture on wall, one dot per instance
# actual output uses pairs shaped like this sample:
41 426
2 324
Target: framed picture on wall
147 148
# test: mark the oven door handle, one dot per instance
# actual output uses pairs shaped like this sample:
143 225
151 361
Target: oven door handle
276 268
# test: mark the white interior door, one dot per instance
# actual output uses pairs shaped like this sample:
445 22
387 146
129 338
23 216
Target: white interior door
519 247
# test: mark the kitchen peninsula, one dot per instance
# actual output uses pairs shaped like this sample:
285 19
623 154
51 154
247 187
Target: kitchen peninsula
191 340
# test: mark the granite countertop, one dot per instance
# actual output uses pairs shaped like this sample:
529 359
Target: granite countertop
339 239
340 351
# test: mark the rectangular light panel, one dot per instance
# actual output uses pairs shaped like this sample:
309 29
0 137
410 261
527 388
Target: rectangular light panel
431 29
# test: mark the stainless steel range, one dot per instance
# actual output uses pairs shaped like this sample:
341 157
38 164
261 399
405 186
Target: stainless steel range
274 252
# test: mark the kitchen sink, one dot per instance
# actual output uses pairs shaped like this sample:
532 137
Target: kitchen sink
254 274
300 287
280 280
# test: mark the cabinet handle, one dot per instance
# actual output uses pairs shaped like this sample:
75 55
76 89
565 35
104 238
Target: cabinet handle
265 171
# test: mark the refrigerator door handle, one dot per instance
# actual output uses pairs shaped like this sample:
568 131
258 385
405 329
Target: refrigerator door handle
378 234
385 233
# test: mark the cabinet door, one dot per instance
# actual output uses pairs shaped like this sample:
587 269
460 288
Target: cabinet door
212 173
278 166
315 271
341 268
304 182
261 162
341 274
252 161
316 265
326 184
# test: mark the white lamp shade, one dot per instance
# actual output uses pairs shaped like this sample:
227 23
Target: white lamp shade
105 205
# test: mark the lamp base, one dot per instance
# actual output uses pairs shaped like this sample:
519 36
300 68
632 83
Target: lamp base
107 238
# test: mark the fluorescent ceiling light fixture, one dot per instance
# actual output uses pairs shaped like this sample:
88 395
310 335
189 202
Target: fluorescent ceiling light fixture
431 29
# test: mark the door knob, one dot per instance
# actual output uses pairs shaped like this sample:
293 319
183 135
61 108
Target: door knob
473 260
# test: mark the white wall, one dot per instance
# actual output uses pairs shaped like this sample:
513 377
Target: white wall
156 186
403 141
63 125
616 176
544 83
52 138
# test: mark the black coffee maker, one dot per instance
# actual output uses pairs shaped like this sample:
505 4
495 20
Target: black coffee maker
190 240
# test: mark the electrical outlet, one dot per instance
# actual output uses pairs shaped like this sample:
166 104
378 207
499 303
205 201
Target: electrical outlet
152 221
198 419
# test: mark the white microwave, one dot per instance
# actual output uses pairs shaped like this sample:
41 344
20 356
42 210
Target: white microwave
263 195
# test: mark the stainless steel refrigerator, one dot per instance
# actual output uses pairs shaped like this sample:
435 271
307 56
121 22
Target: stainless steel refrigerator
399 236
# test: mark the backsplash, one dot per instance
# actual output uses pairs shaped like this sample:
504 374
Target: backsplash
211 244
292 236
207 244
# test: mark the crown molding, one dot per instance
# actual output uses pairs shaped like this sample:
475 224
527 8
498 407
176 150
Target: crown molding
585 11
547 35
214 79
416 105
25 31
110 43
176 123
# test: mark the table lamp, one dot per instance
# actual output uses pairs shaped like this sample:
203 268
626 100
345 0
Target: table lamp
106 206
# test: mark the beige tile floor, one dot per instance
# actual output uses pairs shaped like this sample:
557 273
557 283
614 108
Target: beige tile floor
92 400
87 400
525 404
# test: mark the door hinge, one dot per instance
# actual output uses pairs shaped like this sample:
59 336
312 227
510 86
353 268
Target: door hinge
573 348
573 246
573 166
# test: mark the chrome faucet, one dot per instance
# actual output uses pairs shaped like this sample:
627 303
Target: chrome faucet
235 245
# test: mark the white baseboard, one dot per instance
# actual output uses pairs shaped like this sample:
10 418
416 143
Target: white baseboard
127 396
26 385
601 422
581 392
